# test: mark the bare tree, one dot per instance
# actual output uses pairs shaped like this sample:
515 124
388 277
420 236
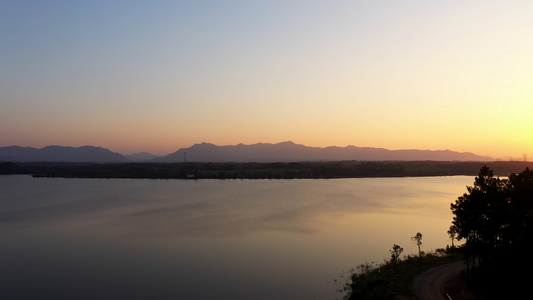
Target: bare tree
452 233
417 239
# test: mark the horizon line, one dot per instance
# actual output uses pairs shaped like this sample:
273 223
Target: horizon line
276 143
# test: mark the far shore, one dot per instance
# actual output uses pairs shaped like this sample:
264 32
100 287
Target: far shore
257 170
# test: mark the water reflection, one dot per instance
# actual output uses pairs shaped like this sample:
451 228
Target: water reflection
238 239
209 207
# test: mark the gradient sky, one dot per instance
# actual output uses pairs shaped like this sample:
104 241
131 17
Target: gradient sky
156 76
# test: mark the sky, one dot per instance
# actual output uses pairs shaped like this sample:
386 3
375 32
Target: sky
157 76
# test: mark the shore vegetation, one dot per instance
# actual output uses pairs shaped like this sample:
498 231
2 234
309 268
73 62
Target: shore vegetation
494 218
392 279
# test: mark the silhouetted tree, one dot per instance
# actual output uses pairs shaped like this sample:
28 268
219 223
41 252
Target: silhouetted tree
495 217
452 233
395 255
417 239
479 215
520 230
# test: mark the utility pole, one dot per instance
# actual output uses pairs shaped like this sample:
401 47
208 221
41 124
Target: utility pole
185 156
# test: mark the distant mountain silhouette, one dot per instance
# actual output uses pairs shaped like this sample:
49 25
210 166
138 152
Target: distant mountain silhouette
291 152
59 154
141 156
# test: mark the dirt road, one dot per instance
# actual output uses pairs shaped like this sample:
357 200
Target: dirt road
430 285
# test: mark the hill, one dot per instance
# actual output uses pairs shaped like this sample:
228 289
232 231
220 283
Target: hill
291 152
59 154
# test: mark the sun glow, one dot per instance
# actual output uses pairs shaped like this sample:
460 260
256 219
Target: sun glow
152 78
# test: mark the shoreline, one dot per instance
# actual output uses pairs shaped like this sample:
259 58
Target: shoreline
252 170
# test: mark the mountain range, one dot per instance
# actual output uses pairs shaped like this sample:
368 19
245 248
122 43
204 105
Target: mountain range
60 154
206 152
291 152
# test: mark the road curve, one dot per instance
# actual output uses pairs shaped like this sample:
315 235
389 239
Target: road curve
430 284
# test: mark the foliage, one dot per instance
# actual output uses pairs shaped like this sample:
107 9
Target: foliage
382 281
395 255
495 217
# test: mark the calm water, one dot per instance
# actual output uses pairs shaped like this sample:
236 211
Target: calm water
209 239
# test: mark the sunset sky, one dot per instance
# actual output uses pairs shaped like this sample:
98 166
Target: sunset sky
157 76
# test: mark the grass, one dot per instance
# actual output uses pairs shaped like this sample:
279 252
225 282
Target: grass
371 281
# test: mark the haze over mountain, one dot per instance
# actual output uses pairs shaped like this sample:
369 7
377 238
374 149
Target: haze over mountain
289 151
141 156
206 152
59 154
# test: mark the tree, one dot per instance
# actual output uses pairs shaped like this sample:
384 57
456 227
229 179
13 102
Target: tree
417 239
520 189
480 215
452 233
395 255
495 217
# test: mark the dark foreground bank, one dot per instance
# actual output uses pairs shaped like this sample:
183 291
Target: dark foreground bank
400 281
281 170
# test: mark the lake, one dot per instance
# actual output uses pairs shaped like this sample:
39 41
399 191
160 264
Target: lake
209 239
